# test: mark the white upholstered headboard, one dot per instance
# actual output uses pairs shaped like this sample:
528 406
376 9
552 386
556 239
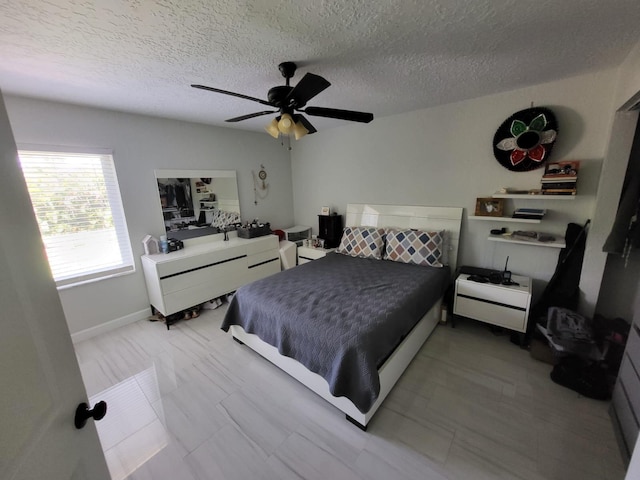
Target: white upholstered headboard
410 216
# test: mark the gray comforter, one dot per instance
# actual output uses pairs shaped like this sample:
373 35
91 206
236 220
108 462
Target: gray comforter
339 316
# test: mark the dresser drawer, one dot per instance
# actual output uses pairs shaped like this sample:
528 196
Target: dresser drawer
633 346
626 419
263 257
263 269
263 244
628 376
231 273
189 262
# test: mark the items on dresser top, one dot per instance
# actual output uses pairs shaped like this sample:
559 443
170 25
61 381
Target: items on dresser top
165 245
254 229
174 244
150 245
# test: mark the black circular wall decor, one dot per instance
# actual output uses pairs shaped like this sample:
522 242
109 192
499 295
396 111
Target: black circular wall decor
524 140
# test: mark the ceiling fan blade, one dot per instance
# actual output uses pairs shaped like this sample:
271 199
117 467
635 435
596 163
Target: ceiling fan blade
307 124
233 94
340 114
307 88
250 115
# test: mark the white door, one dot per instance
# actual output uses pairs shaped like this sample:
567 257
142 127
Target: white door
40 383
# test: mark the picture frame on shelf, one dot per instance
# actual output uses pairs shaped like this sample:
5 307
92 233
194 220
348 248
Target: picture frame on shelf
325 211
489 207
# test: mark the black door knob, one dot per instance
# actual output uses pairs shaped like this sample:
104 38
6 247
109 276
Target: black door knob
83 413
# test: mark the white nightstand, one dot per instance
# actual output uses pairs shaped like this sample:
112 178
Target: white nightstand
503 305
307 254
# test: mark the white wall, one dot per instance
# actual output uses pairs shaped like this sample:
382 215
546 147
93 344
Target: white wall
628 77
142 144
443 156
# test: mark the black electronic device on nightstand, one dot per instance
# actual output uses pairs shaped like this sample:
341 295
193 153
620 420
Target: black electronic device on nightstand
330 230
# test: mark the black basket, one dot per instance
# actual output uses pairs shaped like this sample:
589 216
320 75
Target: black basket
253 232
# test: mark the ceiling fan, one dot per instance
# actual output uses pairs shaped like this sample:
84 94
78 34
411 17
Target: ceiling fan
288 100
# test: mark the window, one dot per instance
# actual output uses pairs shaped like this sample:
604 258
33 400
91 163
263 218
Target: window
77 203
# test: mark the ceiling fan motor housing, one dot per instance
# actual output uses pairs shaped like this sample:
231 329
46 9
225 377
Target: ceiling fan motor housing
278 95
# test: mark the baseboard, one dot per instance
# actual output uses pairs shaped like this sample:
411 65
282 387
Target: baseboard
110 325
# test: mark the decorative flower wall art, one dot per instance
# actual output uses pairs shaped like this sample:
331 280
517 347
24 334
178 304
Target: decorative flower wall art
524 140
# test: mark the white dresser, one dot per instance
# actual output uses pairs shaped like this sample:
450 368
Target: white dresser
198 273
625 404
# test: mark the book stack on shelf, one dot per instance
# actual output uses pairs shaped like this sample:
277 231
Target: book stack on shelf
529 213
560 178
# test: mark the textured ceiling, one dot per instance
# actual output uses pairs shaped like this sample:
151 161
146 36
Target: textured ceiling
381 56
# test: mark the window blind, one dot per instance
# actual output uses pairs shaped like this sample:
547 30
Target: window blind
77 203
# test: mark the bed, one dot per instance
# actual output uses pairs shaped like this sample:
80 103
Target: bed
347 326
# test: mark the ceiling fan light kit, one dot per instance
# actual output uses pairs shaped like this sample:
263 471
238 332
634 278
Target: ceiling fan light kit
288 99
299 130
285 124
272 128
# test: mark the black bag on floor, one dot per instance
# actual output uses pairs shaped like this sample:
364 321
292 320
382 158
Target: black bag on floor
587 378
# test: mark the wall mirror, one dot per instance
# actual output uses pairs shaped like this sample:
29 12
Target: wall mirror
197 202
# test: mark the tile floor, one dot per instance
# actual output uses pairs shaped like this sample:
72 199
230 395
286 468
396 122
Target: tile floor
190 403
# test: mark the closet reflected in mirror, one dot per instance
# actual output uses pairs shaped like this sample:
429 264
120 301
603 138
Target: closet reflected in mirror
197 202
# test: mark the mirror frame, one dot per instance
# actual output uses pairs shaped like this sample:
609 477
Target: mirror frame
188 234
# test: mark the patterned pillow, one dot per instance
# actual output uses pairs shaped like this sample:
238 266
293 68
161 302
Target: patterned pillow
415 246
367 242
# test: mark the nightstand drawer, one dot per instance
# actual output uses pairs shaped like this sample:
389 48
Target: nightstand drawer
493 293
502 305
513 318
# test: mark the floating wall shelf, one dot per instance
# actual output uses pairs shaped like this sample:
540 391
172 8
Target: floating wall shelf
503 219
528 196
559 242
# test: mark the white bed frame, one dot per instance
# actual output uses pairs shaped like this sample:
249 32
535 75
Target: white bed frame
400 216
